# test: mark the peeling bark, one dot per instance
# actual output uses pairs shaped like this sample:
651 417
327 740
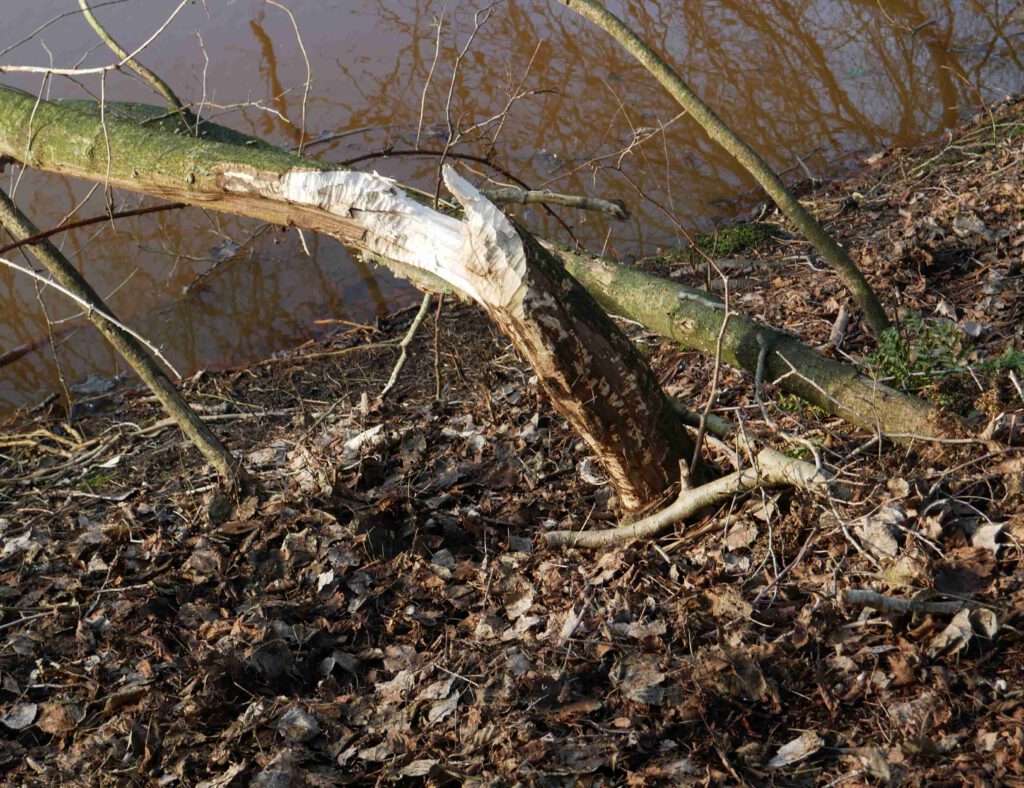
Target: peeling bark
588 367
228 171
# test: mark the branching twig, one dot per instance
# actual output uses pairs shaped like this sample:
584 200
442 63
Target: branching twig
129 60
406 341
772 469
81 72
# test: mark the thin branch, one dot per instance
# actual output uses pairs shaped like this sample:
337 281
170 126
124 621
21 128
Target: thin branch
772 468
430 74
151 77
404 344
81 72
91 310
743 153
713 395
888 604
614 208
309 72
63 228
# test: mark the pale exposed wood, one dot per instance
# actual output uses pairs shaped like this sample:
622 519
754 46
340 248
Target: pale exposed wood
772 468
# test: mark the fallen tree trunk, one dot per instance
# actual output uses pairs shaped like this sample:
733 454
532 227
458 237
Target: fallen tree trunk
693 318
593 374
248 177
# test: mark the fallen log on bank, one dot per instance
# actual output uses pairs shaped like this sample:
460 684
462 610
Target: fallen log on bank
693 318
591 371
248 177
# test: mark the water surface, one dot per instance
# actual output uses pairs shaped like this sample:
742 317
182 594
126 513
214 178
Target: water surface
815 85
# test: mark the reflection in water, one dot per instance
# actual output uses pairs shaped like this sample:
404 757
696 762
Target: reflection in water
811 83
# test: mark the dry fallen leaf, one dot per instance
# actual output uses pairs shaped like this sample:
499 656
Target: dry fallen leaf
799 749
954 637
55 718
19 716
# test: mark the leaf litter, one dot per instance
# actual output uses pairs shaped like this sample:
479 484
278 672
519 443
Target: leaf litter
387 615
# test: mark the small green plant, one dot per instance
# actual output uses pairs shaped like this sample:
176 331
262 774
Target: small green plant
735 239
924 352
99 480
1011 359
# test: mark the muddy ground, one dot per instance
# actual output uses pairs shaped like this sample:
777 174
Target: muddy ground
388 613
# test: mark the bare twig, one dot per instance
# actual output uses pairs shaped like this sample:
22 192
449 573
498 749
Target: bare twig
713 395
81 72
771 469
131 347
309 73
613 208
406 341
63 228
888 604
439 23
151 77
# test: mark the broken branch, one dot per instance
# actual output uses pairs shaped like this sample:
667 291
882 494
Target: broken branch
772 469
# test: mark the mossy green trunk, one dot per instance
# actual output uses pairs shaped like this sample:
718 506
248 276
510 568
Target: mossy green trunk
154 160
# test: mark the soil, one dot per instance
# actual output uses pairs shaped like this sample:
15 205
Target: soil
388 613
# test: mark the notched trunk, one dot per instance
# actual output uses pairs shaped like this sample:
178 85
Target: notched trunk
594 376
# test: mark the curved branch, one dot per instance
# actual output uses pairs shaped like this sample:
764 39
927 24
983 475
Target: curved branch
831 252
772 469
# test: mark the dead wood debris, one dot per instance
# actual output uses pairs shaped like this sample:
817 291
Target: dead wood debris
390 614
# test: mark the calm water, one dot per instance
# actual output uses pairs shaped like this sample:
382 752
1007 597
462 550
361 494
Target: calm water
815 85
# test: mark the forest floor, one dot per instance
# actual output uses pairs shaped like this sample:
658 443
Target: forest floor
389 614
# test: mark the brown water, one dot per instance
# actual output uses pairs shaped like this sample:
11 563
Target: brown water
815 85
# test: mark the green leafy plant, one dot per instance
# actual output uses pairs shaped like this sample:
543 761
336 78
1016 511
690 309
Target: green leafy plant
1011 359
925 351
791 403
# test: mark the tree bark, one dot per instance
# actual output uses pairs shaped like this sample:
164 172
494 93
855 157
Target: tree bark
226 170
591 371
693 318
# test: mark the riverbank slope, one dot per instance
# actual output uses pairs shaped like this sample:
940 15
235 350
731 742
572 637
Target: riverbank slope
389 613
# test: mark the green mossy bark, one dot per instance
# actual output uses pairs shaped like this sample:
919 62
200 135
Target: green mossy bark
156 159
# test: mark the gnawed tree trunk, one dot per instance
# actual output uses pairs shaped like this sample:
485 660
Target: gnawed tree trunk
591 371
223 171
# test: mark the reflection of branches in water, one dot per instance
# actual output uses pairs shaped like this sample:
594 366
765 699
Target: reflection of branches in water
791 75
